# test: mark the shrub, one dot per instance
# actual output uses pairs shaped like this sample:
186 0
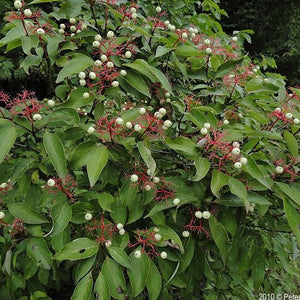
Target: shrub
164 166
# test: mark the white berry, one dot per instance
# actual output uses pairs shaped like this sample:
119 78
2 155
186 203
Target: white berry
110 34
208 50
225 122
137 128
237 165
98 63
133 10
158 9
137 254
184 35
82 82
122 231
110 64
243 160
157 237
207 42
162 111
279 170
147 187
2 215
289 116
128 54
40 31
156 179
198 214
123 73
91 130
18 4
176 201
115 83
108 243
164 255
206 214
98 37
103 57
234 39
203 131
134 178
96 44
236 151
92 75
51 182
185 233
142 111
128 125
236 145
86 95
296 121
167 123
88 216
206 125
72 21
36 117
27 13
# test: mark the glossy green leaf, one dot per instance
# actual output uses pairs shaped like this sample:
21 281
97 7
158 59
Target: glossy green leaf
238 188
120 256
83 289
147 157
154 282
227 67
183 145
83 267
8 135
61 215
291 143
169 234
101 288
258 270
202 167
218 180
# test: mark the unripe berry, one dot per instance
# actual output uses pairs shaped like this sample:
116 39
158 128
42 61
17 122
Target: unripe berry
88 216
128 125
167 95
134 178
120 226
110 64
158 9
157 237
156 179
185 234
40 31
296 121
137 128
115 83
167 123
82 82
73 28
36 117
237 165
142 111
207 42
203 131
147 187
279 169
51 182
62 26
164 255
122 231
206 214
184 35
92 75
110 34
168 100
27 13
51 103
18 4
108 243
243 160
206 125
236 151
128 54
162 111
193 35
98 37
96 44
86 95
83 27
2 215
61 31
198 214
176 201
289 116
123 73
234 39
137 254
119 121
91 130
208 50
72 21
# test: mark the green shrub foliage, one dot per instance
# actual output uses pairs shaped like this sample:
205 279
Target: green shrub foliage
163 166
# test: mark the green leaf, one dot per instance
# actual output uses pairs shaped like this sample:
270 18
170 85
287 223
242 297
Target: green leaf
291 143
113 274
162 50
8 135
187 51
293 218
196 117
187 256
61 215
120 256
56 152
76 63
227 67
38 250
42 1
167 233
162 79
96 161
183 145
202 167
26 213
101 288
153 282
218 180
83 267
142 67
147 157
128 192
78 249
105 200
80 154
136 81
290 191
238 188
220 236
258 270
83 289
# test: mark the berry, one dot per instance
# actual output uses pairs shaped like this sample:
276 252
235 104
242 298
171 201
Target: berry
2 215
158 115
198 214
36 117
62 26
110 64
167 123
225 122
61 31
156 179
251 208
234 39
203 131
128 54
96 44
108 243
162 111
208 50
91 130
81 75
176 201
115 83
279 169
134 178
168 100
137 254
98 63
142 111
289 116
27 13
3 185
18 4
103 58
73 28
172 28
243 160
137 128
206 214
164 255
110 34
134 16
123 73
40 31
128 125
167 23
147 187
119 121
86 95
236 145
122 231
98 37
92 75
133 10
72 21
185 234
296 121
193 35
82 82
88 216
206 125
207 42
157 237
51 182
50 103
158 9
236 151
237 165
120 226
184 35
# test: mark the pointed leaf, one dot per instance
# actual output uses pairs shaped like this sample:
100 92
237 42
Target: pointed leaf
83 289
120 256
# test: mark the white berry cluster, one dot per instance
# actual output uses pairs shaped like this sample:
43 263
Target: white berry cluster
121 229
205 214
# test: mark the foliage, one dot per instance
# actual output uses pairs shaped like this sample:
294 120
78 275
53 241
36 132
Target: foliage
165 165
